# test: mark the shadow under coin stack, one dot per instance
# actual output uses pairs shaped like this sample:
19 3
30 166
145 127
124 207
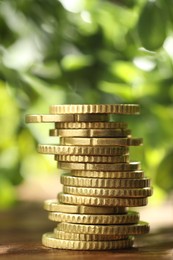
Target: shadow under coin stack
101 184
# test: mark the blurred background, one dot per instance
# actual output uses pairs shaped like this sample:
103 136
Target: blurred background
81 51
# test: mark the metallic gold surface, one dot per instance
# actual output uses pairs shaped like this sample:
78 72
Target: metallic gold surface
95 108
66 118
131 217
49 240
92 211
70 180
86 237
90 132
82 150
131 229
95 125
101 201
132 166
55 206
101 141
108 175
92 158
106 192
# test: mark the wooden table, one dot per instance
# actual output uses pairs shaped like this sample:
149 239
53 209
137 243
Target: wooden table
20 238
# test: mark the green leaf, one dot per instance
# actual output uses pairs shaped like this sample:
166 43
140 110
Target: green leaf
164 173
119 89
152 26
76 62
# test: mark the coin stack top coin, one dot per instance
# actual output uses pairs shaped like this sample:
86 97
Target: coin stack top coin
101 183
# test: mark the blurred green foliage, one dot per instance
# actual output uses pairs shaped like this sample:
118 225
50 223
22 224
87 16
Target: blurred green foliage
81 51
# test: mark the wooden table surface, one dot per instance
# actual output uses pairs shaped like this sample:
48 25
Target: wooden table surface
20 238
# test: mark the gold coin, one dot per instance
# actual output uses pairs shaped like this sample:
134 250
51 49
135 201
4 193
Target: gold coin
129 218
106 192
101 201
49 240
101 141
92 158
66 118
82 150
70 180
108 175
54 205
86 237
90 132
95 125
95 108
132 166
131 229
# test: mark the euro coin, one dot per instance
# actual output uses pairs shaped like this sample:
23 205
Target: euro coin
66 118
92 158
95 125
131 217
130 229
90 132
132 109
82 150
49 240
106 192
70 180
131 166
101 201
101 141
109 175
55 206
86 237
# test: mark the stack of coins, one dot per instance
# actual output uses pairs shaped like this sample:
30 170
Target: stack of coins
92 212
